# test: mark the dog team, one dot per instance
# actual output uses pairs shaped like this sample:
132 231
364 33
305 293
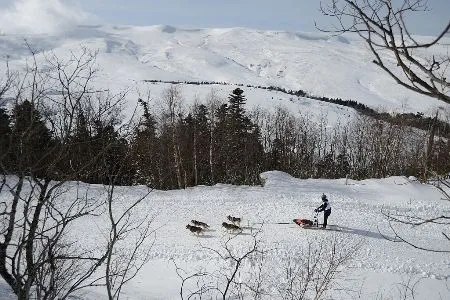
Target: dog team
200 227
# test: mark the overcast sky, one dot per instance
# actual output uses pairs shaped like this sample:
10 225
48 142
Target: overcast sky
36 16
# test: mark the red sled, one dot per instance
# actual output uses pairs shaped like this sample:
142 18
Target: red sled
306 223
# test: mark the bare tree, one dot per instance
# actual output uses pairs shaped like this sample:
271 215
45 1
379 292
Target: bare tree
172 102
224 282
213 102
440 223
383 26
406 289
243 272
6 82
34 257
39 258
128 247
312 273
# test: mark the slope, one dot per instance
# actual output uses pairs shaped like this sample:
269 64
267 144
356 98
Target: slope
317 63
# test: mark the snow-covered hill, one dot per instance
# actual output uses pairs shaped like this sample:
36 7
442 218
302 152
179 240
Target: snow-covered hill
314 62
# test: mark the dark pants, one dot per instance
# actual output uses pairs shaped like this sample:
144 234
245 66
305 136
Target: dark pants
326 214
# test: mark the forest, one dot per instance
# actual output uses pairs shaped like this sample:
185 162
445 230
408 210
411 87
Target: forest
79 134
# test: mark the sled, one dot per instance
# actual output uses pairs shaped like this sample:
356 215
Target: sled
316 225
305 223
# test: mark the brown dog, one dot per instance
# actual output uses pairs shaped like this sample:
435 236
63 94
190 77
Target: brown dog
234 220
194 229
199 224
231 227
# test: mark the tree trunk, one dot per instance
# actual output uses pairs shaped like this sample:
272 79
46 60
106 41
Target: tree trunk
211 143
176 160
430 144
195 161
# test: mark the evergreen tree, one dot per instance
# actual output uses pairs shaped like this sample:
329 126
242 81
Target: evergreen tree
202 123
168 174
5 136
145 148
242 140
236 107
276 156
237 143
113 160
81 156
97 153
255 156
31 142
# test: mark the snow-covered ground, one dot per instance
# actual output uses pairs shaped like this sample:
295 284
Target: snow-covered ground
377 271
314 62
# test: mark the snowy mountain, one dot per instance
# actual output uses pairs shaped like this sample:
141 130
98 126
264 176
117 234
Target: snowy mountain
314 62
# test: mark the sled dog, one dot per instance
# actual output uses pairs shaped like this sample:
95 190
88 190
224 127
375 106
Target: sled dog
199 224
231 227
234 220
194 229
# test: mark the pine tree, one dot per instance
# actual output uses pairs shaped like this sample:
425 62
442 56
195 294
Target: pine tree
31 142
236 107
113 160
80 153
145 148
238 148
240 128
5 136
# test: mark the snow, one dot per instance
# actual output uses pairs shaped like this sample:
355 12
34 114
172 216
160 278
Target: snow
317 63
379 268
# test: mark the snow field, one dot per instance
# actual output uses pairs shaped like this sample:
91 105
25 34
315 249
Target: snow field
379 268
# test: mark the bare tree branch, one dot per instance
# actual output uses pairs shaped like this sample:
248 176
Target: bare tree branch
382 26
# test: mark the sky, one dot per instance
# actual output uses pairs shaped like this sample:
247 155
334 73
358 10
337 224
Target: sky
41 16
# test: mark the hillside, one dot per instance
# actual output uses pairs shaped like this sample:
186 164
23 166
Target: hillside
338 67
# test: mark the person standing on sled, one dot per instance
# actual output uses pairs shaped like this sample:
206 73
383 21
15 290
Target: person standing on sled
326 208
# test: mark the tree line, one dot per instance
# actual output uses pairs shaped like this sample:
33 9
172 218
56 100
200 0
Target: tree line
417 120
213 142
